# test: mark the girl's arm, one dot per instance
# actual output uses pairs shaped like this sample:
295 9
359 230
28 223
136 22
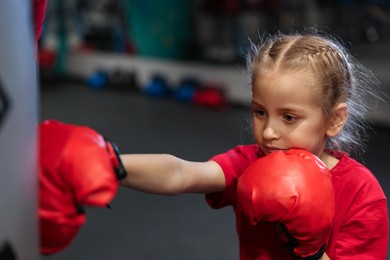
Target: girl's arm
169 175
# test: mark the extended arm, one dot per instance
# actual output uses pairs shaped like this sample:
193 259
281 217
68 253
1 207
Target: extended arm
169 175
79 167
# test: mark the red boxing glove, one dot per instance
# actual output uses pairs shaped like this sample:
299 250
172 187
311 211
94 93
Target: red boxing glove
39 10
77 167
293 188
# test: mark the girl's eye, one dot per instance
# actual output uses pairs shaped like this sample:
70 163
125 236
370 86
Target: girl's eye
289 118
259 112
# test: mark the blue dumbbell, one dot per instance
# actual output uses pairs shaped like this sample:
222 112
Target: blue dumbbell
157 87
186 90
98 80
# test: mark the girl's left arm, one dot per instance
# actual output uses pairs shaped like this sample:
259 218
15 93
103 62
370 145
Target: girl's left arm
166 174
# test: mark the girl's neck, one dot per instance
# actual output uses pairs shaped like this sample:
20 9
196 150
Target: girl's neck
330 161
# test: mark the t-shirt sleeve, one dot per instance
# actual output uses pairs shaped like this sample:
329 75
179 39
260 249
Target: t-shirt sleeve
365 235
233 163
363 231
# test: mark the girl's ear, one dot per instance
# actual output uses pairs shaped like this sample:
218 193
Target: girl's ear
337 119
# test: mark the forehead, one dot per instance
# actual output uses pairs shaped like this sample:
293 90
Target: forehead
285 87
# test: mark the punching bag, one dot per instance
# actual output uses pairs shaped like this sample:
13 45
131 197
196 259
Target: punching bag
18 120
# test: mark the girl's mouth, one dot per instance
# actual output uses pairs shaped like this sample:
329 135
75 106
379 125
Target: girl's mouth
268 150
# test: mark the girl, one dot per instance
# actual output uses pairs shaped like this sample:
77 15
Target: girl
308 94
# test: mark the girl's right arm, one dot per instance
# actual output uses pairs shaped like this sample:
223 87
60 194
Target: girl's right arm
169 175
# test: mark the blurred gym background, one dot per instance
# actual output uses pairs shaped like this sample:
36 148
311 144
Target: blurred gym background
169 77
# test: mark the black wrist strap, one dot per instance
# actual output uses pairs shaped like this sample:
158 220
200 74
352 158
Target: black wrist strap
290 242
120 171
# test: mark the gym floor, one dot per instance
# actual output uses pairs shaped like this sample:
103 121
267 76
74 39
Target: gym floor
146 226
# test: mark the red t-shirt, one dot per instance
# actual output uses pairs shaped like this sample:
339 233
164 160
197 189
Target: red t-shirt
360 229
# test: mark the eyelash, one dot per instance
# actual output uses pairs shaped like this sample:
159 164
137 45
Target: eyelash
257 112
288 118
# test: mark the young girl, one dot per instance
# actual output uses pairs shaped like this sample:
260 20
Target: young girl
308 94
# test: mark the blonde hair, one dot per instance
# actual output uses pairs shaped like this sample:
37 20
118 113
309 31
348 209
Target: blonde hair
340 77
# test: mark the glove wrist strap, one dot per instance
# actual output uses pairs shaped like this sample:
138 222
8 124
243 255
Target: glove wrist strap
290 242
113 150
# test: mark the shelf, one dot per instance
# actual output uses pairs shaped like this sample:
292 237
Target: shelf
234 79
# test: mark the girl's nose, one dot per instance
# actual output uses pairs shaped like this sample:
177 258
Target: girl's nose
270 132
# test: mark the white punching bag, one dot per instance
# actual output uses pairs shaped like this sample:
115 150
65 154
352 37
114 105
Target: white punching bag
18 119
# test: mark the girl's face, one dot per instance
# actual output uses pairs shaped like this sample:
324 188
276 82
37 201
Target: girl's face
285 114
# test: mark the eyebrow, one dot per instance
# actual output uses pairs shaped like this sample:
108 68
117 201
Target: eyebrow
253 102
291 108
285 108
298 112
